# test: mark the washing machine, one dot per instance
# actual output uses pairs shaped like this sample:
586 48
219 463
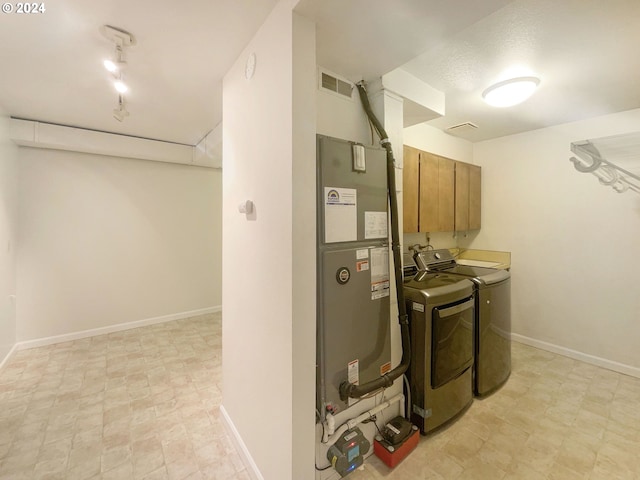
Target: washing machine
492 330
441 314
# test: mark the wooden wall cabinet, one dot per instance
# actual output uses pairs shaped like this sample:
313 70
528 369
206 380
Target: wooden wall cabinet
439 194
475 195
410 189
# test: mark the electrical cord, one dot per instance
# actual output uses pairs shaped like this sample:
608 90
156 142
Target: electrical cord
374 419
322 424
322 469
373 394
409 405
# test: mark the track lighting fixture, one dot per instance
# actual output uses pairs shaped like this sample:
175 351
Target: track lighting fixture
121 112
116 64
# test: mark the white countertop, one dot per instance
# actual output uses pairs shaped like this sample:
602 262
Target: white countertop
477 263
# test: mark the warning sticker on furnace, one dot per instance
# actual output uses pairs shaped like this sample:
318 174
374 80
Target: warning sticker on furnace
385 368
379 264
379 290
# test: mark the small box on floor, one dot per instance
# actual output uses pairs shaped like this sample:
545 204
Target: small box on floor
398 438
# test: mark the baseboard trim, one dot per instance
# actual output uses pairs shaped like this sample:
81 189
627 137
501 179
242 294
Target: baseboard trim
8 356
68 337
243 451
576 355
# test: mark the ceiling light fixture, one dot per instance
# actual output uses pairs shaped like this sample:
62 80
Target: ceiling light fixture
120 86
111 66
510 92
121 39
117 62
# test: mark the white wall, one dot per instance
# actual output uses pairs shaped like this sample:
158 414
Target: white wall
304 246
434 140
574 242
105 240
264 156
8 221
343 118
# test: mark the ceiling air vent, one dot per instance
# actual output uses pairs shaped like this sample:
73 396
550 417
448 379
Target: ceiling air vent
331 83
462 128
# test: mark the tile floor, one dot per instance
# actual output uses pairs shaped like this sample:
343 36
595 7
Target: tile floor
556 418
138 404
143 404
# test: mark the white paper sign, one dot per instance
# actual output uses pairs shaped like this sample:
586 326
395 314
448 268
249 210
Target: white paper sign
340 215
375 225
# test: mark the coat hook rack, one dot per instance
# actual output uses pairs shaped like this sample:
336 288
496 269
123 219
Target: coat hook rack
614 160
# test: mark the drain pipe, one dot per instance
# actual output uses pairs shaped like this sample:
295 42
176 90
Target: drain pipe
350 390
330 437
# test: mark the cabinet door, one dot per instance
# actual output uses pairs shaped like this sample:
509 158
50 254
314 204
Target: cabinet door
429 197
446 194
439 194
462 197
475 174
410 179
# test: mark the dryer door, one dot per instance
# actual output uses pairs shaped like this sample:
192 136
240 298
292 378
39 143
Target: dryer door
452 341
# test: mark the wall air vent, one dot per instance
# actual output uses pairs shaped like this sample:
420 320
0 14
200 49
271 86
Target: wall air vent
462 128
330 82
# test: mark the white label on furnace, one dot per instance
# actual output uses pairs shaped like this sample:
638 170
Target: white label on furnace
418 307
340 215
353 372
375 225
362 253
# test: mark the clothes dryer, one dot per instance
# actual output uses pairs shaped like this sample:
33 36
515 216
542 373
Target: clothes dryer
441 314
492 332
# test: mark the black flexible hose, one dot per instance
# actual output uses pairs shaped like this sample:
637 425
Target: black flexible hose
349 390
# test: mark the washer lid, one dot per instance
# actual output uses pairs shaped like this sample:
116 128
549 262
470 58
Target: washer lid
494 277
434 284
485 275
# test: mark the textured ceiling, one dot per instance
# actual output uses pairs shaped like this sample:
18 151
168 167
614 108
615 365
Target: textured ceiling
52 63
364 39
583 50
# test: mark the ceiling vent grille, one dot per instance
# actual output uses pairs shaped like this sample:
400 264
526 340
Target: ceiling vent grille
333 84
462 128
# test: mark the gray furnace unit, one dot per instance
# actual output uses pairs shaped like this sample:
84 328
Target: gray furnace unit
353 331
